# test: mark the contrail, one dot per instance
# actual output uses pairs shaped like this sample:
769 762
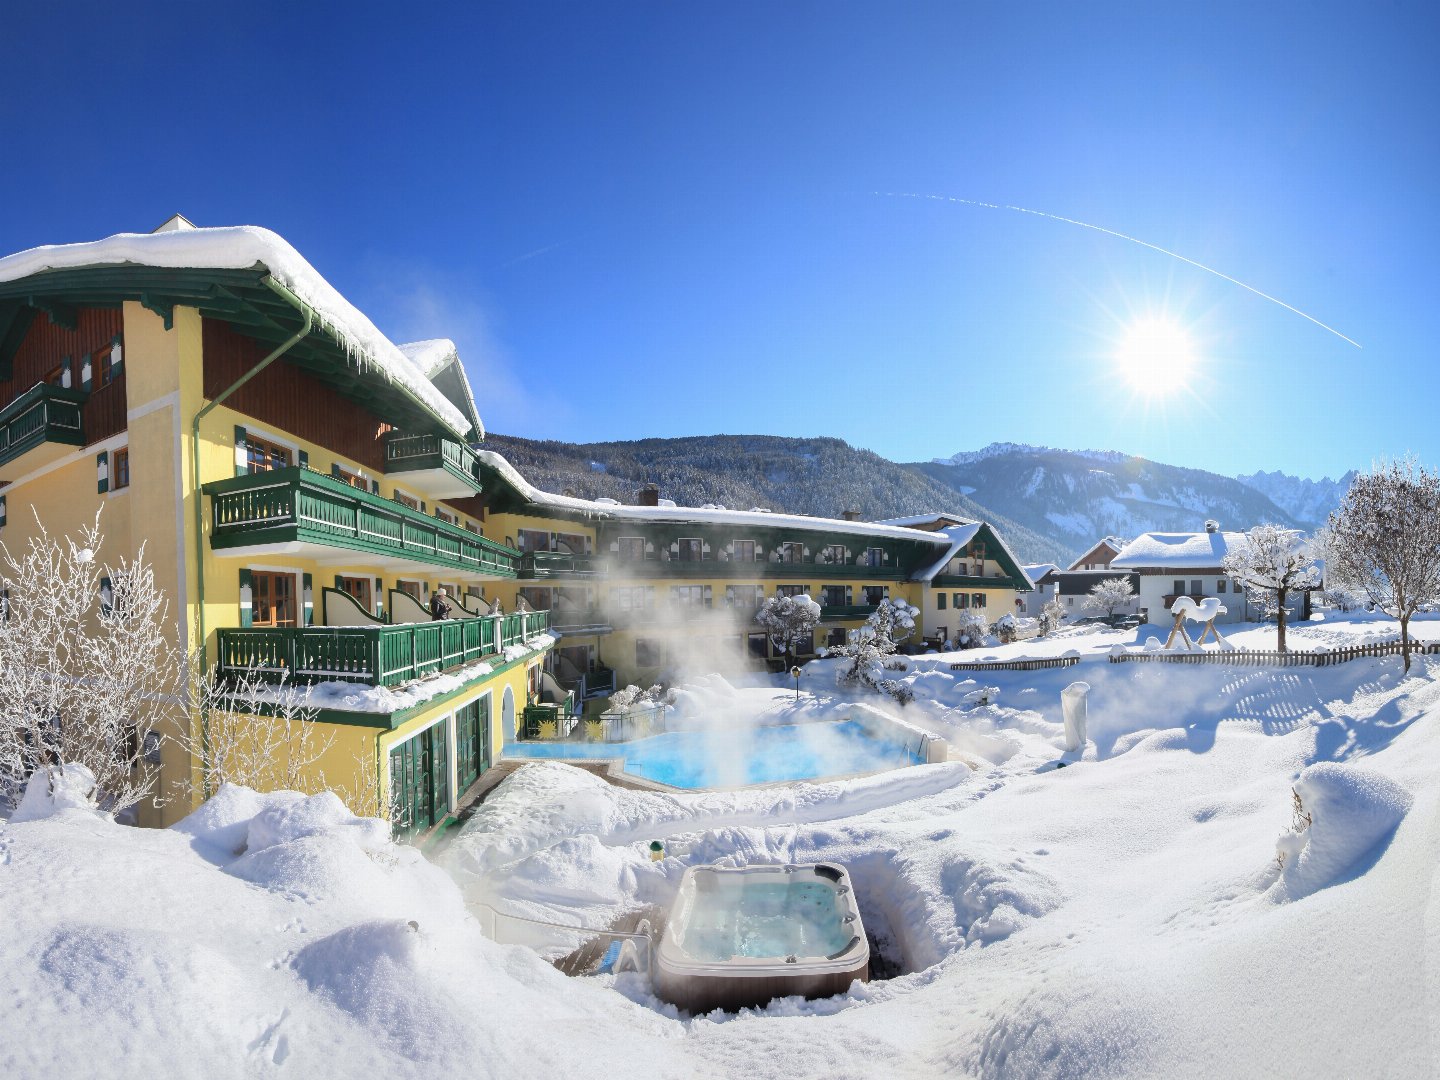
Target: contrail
1133 240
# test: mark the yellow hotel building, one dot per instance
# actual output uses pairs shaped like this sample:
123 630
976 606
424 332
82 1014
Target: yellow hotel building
303 486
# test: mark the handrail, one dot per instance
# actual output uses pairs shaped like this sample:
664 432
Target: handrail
646 934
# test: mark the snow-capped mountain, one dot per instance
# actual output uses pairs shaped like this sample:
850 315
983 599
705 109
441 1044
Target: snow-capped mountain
1076 497
1308 501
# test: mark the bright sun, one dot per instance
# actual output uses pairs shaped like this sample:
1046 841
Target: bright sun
1155 357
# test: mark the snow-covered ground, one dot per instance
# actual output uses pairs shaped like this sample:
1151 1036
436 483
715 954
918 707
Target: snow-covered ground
1124 916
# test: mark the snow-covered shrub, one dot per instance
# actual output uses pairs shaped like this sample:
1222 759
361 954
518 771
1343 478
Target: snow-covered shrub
970 633
871 647
896 664
789 620
1005 629
1051 616
633 697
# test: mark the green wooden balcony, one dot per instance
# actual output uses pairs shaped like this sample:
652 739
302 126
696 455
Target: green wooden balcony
970 581
847 611
371 655
297 506
620 569
560 564
444 468
46 417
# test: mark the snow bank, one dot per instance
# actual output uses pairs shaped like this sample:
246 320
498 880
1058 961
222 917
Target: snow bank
53 791
1352 812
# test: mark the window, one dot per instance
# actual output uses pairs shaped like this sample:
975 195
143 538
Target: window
688 595
690 549
1179 588
355 480
533 540
744 551
102 371
791 553
572 543
758 645
272 598
359 588
407 500
790 590
834 596
744 597
261 455
977 600
447 517
631 547
55 376
940 601
1197 587
874 556
875 594
636 598
960 601
120 469
409 588
1219 586
836 637
647 653
833 554
470 526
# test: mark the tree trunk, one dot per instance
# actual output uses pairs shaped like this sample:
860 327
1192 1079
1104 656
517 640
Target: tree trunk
1280 615
1405 638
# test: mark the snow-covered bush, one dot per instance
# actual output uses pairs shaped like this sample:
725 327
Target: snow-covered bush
88 673
896 664
1005 629
970 631
1105 596
789 620
871 646
1051 616
633 697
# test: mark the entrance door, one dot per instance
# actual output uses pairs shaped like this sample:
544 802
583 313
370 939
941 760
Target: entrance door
419 782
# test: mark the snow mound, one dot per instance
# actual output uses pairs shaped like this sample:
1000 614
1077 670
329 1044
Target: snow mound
221 825
51 791
1353 812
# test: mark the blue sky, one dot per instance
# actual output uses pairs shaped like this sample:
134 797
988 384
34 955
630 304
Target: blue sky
661 219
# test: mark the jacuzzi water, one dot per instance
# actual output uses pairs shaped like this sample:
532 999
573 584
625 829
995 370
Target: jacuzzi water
745 917
740 755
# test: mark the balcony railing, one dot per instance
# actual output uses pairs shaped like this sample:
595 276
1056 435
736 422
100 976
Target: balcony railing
847 611
546 564
420 453
43 414
295 504
707 568
371 655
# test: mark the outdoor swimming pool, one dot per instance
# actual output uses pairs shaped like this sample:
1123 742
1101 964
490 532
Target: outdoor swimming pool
737 756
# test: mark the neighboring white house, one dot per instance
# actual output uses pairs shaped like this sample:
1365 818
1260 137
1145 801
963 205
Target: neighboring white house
1170 565
1031 604
1072 588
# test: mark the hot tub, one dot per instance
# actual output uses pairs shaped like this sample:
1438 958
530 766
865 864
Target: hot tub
739 937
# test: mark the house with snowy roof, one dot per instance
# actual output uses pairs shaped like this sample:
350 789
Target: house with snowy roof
299 480
1171 565
1099 556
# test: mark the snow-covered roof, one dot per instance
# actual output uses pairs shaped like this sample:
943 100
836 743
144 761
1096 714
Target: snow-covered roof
1179 550
247 247
1036 571
766 519
433 358
959 537
925 519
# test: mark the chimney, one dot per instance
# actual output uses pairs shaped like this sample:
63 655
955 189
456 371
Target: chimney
850 515
649 495
1212 526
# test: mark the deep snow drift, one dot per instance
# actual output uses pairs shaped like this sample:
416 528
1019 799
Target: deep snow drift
1127 915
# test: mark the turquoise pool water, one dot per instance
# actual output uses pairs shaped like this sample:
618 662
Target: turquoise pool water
735 757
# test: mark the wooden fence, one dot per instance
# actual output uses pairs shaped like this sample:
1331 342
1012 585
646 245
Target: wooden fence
1016 665
1272 658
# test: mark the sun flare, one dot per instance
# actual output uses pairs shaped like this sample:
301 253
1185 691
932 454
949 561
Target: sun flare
1156 357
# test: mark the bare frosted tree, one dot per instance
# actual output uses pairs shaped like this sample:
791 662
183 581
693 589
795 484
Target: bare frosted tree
1384 540
1108 595
789 620
1051 616
233 742
1270 564
88 673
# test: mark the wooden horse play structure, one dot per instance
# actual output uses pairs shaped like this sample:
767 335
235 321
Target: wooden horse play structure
1207 611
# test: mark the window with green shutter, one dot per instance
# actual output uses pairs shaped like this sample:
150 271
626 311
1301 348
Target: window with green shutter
102 472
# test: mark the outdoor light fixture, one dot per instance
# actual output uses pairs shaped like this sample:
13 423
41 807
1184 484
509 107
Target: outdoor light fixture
795 674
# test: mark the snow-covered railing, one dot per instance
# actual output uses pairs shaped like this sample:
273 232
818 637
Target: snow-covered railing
1016 665
1274 658
372 655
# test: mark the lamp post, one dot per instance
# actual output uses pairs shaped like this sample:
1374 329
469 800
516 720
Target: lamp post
795 674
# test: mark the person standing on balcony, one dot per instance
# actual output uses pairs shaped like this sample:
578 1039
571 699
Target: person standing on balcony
439 609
